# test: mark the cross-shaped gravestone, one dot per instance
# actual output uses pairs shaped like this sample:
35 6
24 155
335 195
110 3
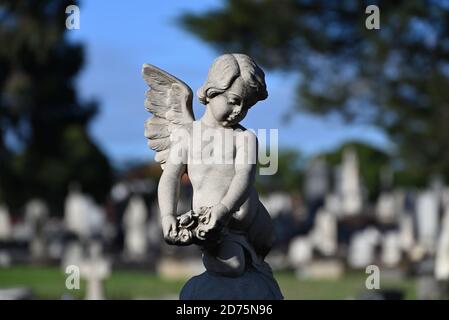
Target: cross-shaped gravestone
95 270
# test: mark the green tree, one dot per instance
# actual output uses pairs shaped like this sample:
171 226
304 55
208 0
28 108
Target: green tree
289 176
395 78
44 144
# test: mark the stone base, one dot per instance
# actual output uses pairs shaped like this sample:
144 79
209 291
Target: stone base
252 285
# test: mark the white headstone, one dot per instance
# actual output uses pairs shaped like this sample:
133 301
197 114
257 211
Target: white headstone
333 204
386 208
324 232
76 213
391 249
5 224
427 220
406 232
95 270
135 225
36 214
119 192
5 259
350 188
300 251
362 248
442 255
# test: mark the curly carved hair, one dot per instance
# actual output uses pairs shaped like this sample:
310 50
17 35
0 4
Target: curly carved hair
225 70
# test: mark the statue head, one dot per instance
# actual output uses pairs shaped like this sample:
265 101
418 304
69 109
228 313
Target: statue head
234 84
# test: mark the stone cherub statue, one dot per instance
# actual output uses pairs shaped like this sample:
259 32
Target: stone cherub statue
227 219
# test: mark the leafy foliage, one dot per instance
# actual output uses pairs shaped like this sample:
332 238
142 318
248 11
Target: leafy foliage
289 176
44 144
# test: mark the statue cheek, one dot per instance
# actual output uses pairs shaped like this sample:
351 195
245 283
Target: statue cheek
221 111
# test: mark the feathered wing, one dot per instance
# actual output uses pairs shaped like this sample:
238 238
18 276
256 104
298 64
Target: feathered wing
170 101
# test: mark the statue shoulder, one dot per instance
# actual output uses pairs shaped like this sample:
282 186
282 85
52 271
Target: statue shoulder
245 134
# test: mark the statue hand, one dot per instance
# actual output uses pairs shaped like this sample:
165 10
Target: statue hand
214 218
169 228
221 213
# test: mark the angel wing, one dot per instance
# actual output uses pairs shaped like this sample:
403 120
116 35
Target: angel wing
170 101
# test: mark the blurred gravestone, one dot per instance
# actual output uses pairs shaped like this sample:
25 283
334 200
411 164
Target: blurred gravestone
332 204
135 226
300 251
427 220
385 208
324 232
406 232
442 254
362 248
5 258
350 188
5 224
75 214
95 269
391 249
36 215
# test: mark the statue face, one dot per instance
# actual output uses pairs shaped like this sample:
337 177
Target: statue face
229 108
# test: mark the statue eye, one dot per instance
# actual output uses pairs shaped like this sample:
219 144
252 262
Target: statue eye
235 102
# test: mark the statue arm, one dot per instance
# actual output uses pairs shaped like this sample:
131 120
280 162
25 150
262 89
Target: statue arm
245 172
168 194
169 185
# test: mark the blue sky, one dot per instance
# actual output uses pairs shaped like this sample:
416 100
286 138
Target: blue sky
119 36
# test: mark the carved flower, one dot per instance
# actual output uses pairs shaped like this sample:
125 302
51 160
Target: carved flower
200 233
184 235
186 220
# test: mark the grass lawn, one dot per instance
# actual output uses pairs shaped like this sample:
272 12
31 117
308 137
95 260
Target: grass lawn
49 283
